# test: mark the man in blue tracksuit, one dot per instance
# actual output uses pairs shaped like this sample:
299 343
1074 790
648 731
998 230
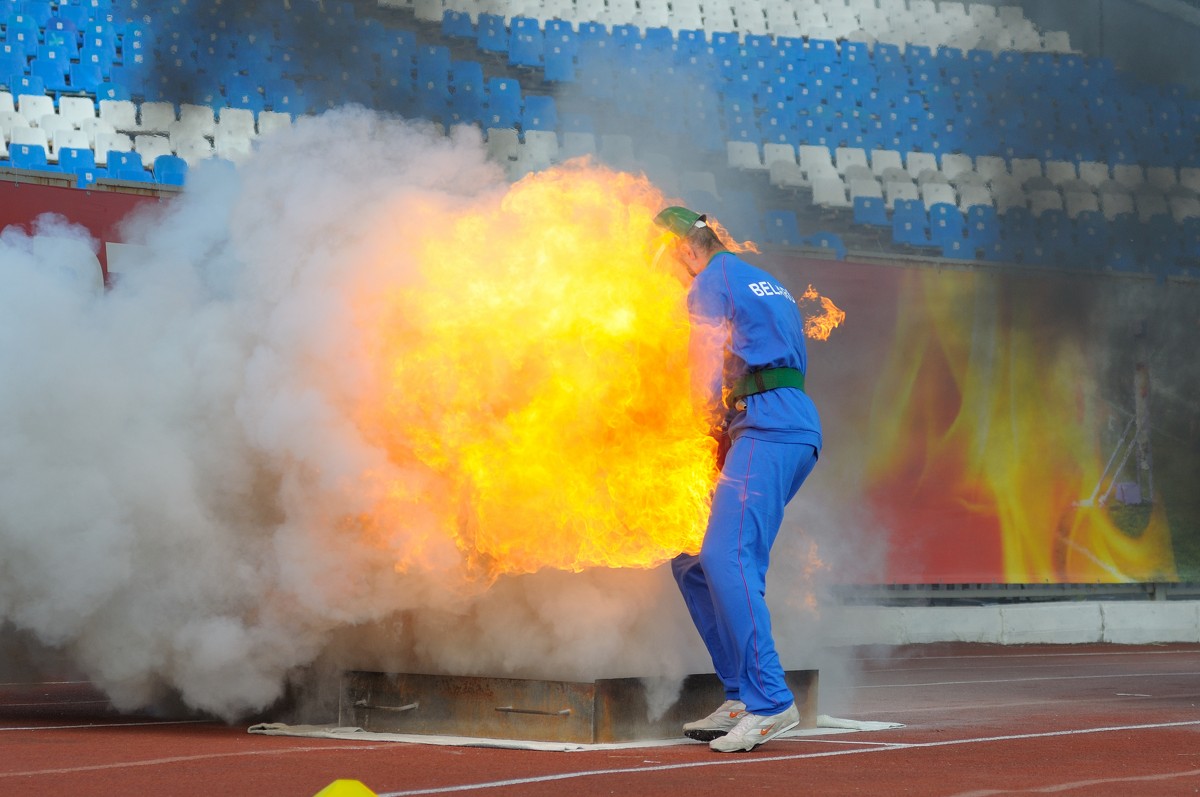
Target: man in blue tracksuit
750 357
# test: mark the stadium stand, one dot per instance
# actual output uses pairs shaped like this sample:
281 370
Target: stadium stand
934 120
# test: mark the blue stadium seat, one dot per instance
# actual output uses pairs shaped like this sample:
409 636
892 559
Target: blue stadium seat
86 77
457 23
132 174
541 113
77 13
283 95
241 91
29 156
910 223
626 35
828 241
658 40
526 47
691 42
871 210
39 10
560 37
21 30
491 34
592 31
781 228
983 226
85 177
958 249
503 103
26 84
117 162
822 51
72 160
52 73
559 65
467 92
946 223
170 170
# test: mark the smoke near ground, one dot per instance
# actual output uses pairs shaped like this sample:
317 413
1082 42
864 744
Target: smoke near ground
179 459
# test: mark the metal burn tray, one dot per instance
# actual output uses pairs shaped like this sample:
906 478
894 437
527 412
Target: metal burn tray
606 710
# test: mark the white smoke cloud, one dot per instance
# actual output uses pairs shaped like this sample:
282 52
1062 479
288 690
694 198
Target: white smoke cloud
177 453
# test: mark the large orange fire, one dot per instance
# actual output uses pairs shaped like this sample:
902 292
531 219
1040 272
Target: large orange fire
536 386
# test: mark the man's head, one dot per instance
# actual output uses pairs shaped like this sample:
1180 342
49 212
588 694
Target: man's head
696 242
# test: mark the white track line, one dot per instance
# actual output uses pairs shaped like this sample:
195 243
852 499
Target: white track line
44 683
1040 655
1079 784
758 760
98 725
53 704
183 759
1028 680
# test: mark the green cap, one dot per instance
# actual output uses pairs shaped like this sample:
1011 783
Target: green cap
680 220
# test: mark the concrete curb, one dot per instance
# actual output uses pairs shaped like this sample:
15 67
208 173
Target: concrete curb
1116 622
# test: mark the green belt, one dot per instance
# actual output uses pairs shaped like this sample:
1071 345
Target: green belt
764 380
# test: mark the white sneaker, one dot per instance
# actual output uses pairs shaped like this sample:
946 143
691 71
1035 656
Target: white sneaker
755 729
716 724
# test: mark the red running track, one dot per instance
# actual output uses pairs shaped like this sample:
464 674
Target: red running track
979 720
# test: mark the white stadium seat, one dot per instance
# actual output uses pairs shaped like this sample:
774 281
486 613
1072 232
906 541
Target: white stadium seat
115 142
121 114
34 106
744 155
156 117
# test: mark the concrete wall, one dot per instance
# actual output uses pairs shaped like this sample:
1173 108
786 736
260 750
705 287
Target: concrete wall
1117 622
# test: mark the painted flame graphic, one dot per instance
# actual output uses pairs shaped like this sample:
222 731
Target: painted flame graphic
984 437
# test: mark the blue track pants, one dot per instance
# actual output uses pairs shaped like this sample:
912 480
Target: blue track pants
725 586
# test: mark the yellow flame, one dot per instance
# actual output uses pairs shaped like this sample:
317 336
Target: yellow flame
820 325
982 414
536 383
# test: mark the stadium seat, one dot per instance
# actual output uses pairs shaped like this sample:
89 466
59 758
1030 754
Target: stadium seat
827 241
540 113
72 159
503 144
194 149
157 117
870 210
235 120
232 146
110 142
457 23
119 161
828 191
540 149
273 121
170 170
68 138
29 156
94 127
76 109
34 106
781 228
526 47
503 104
882 159
88 77
910 223
52 74
151 146
946 223
578 143
744 155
